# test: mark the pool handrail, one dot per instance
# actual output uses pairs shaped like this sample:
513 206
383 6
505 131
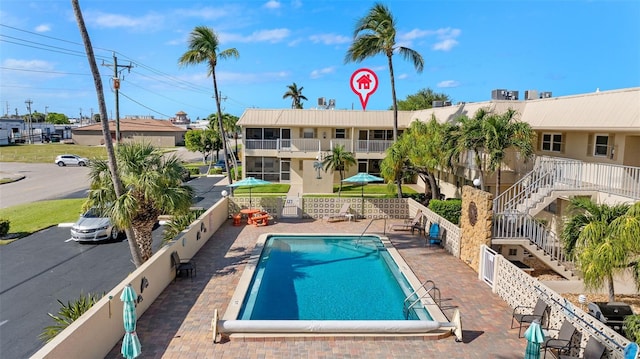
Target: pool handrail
427 291
367 227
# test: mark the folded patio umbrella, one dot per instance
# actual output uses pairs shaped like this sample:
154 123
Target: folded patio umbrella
535 337
130 343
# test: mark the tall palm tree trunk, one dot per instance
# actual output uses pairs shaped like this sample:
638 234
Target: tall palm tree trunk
222 134
612 295
395 121
113 167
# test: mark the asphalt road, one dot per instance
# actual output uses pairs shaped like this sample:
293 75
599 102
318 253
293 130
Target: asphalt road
38 270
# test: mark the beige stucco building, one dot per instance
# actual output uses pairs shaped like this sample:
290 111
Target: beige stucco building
156 132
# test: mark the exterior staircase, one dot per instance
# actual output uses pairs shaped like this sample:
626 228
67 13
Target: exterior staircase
551 177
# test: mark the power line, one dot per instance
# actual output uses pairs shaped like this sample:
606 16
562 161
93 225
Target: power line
148 108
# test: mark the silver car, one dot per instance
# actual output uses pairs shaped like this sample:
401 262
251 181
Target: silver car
64 160
91 227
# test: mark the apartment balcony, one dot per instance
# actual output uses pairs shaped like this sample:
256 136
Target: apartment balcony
305 145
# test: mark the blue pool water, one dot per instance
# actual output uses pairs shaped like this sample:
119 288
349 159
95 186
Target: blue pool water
326 278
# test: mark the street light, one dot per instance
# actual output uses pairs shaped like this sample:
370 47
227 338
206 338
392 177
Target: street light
28 102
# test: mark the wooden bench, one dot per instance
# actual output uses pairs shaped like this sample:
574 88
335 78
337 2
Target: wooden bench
261 219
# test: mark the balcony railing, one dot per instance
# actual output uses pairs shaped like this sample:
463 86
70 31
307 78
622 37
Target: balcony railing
373 145
314 144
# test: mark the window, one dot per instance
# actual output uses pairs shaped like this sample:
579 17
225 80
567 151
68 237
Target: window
552 207
601 147
307 133
254 133
552 142
271 133
513 252
341 133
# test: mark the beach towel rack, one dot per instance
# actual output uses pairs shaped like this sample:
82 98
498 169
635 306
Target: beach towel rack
431 290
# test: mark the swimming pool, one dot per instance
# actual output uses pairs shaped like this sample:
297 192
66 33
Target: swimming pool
329 284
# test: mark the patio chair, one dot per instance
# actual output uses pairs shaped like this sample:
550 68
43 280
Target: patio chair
409 224
435 235
562 343
342 215
525 315
593 350
188 267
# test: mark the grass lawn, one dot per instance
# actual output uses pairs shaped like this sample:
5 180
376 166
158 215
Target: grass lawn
31 217
273 189
46 153
373 190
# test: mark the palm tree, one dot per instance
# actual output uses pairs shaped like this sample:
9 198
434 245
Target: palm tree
106 133
604 240
503 132
296 95
426 153
467 135
339 160
153 187
394 164
204 47
376 34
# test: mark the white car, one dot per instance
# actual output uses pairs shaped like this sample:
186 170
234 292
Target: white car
64 160
90 227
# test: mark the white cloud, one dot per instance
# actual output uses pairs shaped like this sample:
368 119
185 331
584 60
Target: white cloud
207 13
402 76
272 36
321 72
448 84
43 28
272 4
329 39
296 4
37 65
445 45
104 20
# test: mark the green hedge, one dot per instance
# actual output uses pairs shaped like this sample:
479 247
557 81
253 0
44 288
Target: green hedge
4 226
449 209
632 327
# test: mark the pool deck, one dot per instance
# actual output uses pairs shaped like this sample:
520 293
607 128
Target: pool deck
178 323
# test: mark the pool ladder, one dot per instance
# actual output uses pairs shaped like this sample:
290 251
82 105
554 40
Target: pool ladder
431 289
367 227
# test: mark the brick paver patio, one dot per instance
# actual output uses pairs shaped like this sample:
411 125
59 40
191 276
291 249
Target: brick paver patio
178 323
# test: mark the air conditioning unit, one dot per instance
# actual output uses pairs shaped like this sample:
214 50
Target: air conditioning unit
332 103
321 102
545 94
531 95
437 103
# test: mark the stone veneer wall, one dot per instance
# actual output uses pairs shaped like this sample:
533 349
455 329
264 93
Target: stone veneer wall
474 235
518 288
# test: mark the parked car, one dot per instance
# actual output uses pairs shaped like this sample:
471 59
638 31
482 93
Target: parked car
64 160
92 227
219 164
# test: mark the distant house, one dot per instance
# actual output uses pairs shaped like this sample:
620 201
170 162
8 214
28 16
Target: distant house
160 133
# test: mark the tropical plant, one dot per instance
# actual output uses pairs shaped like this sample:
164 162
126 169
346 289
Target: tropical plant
295 94
421 100
116 182
375 34
394 164
449 209
503 132
5 224
200 141
153 185
604 241
339 160
631 327
204 48
67 314
178 224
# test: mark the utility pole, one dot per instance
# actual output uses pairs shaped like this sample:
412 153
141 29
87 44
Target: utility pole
80 116
29 102
116 87
46 112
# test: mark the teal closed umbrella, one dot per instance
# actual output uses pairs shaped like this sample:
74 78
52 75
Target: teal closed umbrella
249 182
535 337
130 343
362 178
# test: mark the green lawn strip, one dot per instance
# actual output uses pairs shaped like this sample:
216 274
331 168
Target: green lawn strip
46 153
276 188
369 189
32 217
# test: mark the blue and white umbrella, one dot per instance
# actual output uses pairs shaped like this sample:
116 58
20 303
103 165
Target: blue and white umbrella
535 337
362 178
249 182
130 343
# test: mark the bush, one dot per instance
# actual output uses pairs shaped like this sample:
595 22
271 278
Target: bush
449 209
632 327
4 227
215 171
67 314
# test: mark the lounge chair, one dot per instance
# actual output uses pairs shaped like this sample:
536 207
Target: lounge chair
562 343
342 215
188 267
525 315
631 351
593 350
409 224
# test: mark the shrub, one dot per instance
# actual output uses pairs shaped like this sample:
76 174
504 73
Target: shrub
67 314
215 171
632 327
4 227
179 223
449 209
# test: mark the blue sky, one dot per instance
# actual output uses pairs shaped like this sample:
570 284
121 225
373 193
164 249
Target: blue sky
469 48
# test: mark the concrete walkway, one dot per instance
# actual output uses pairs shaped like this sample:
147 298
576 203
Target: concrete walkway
178 323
